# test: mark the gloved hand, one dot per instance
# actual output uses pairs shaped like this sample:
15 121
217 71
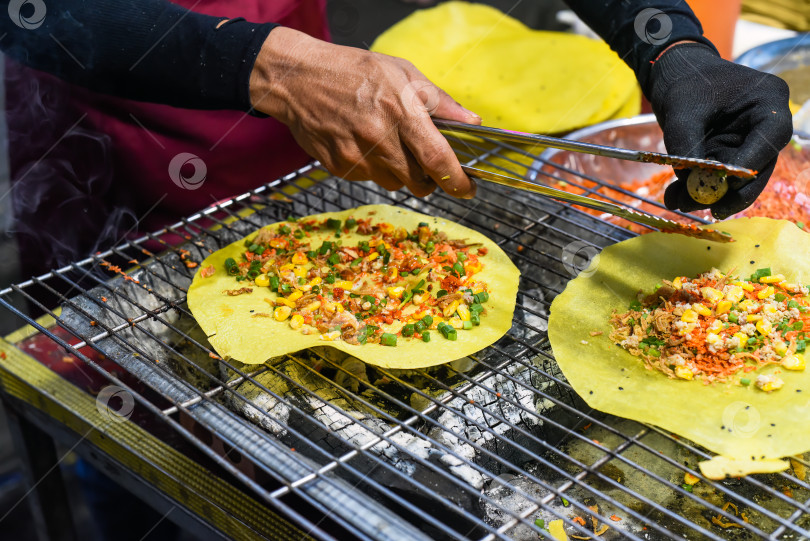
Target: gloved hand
711 108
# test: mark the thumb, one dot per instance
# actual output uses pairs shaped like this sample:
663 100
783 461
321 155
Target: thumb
449 109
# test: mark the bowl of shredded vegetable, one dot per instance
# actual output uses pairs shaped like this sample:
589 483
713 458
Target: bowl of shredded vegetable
642 185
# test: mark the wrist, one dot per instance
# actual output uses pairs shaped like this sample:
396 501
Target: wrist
279 60
680 61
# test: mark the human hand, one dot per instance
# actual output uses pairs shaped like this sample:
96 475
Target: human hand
711 108
364 115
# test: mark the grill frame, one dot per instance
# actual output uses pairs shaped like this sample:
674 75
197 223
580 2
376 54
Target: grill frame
315 481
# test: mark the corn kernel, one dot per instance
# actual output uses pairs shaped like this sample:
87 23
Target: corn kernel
773 279
687 329
701 309
286 267
311 307
747 305
456 323
450 309
769 383
677 282
338 307
463 312
301 272
419 298
278 243
297 321
765 293
395 292
793 362
436 321
711 294
741 337
373 255
281 313
690 479
315 281
386 228
285 302
745 285
344 284
473 267
689 316
750 318
716 326
684 372
734 294
330 336
295 295
764 327
393 274
723 307
299 258
769 308
780 348
262 280
712 338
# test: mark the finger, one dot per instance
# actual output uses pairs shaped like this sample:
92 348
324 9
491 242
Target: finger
676 196
738 200
434 155
387 180
449 109
420 94
408 171
684 137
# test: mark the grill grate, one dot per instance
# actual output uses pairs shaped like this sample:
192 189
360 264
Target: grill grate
477 449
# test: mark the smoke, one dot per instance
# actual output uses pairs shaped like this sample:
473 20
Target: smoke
65 204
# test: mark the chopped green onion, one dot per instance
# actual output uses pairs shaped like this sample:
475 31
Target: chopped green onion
298 234
801 346
369 298
745 381
284 230
565 502
419 285
301 281
423 224
425 336
253 248
800 225
325 247
332 223
231 266
316 289
798 325
312 254
403 273
388 339
791 303
430 246
482 297
654 352
351 222
274 282
364 246
441 293
779 297
540 523
732 317
686 487
427 320
458 268
356 262
285 288
253 273
760 273
462 257
635 305
475 319
333 259
408 329
467 325
419 326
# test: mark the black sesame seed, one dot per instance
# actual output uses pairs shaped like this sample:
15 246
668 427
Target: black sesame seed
773 424
591 392
722 427
753 457
708 247
747 407
752 262
756 245
621 388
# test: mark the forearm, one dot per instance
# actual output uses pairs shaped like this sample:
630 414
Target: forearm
150 50
621 23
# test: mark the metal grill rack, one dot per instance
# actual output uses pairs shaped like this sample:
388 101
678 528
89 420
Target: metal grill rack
495 446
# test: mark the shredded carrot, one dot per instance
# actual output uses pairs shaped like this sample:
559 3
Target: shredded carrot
614 518
579 520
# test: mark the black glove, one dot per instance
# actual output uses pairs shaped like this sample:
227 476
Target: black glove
711 108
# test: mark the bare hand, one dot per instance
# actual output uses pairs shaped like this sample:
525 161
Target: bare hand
364 115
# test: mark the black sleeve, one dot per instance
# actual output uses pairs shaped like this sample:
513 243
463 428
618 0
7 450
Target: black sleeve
640 30
148 50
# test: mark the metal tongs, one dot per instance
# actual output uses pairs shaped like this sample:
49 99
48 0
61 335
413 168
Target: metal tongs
663 225
677 162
